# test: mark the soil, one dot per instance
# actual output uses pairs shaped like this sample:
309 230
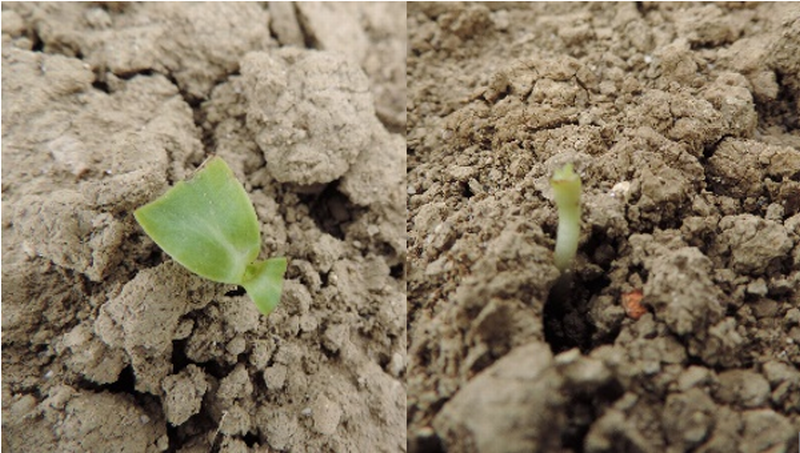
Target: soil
109 345
680 327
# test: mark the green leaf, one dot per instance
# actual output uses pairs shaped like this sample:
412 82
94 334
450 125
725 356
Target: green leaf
206 223
264 283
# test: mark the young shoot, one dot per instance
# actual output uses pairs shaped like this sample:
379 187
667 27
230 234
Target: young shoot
208 225
567 188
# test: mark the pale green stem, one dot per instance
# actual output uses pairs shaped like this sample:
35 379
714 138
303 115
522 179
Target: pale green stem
567 189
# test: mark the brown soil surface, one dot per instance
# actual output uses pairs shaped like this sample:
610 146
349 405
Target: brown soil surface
110 346
682 120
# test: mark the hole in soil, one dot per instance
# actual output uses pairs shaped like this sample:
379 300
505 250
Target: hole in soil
566 323
397 271
216 369
332 211
153 258
384 361
250 439
782 111
309 39
239 291
425 443
172 435
179 359
132 74
102 86
125 383
582 411
466 191
38 44
197 425
328 353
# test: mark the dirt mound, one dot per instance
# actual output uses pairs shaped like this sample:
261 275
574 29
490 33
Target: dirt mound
108 345
682 120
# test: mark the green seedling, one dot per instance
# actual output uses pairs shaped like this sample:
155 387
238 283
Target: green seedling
209 226
567 188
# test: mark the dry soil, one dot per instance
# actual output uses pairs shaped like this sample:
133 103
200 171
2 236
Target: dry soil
108 345
682 120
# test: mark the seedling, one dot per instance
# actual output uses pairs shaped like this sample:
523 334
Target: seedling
567 188
209 226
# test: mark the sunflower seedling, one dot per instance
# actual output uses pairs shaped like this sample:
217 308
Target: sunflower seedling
208 225
567 189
